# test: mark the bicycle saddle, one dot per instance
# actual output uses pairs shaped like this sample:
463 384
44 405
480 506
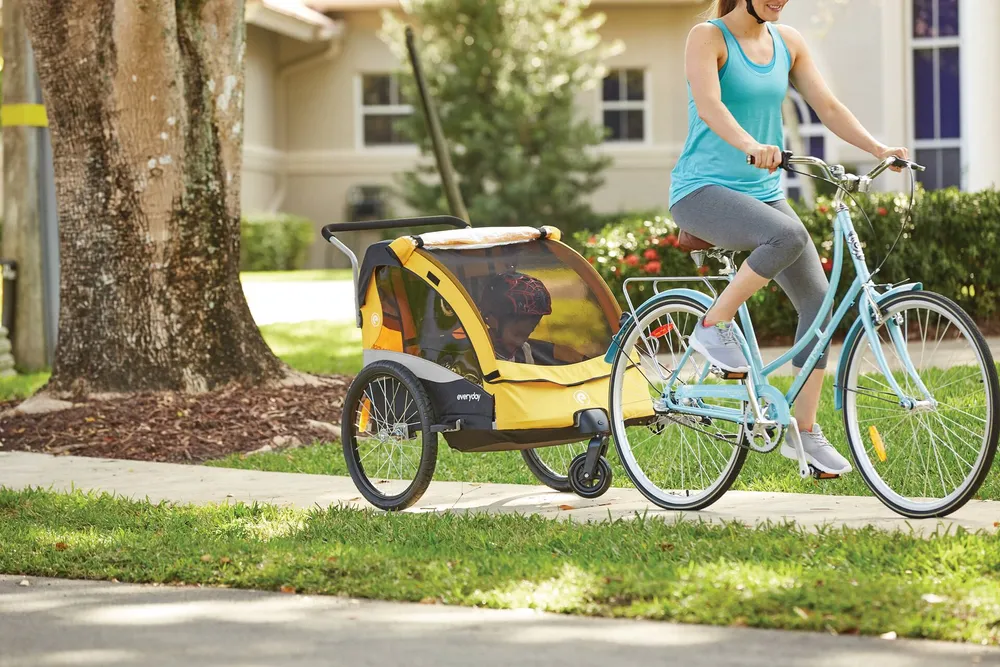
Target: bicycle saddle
689 242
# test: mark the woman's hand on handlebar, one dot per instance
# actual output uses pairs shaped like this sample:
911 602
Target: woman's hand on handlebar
886 151
765 157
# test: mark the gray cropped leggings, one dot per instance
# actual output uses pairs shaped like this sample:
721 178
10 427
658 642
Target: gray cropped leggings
779 243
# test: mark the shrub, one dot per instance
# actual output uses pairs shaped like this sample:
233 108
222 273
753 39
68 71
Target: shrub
949 246
274 242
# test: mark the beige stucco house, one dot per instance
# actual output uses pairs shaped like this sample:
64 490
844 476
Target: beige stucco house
320 98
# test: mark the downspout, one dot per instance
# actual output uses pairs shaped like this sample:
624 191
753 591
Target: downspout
328 54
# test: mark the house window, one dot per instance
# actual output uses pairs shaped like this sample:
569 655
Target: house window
382 109
937 111
813 135
625 103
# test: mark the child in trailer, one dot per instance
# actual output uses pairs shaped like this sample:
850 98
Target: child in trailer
512 305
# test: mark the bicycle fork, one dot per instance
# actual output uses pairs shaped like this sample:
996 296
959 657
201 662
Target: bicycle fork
898 343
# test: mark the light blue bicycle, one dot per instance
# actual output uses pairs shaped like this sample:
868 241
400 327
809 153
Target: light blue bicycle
916 385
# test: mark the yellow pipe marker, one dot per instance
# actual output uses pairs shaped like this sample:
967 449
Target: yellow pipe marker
30 115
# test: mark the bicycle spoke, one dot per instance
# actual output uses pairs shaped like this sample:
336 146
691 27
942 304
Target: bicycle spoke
678 457
945 445
952 407
944 386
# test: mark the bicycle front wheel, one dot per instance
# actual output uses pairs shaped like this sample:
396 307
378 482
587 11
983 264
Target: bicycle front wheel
929 460
677 461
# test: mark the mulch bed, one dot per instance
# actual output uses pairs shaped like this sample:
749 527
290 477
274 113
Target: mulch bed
180 428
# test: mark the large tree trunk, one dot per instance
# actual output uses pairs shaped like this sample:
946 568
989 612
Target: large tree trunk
145 102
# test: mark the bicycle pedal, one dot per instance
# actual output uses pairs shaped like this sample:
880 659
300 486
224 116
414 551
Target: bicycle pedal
727 375
820 474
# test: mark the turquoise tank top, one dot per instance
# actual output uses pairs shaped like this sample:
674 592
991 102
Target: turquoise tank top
753 94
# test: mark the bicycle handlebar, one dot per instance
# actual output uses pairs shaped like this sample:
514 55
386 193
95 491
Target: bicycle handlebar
836 172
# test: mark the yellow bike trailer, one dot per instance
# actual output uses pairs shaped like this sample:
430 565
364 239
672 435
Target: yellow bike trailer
435 364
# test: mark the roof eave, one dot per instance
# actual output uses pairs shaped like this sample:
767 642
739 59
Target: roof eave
300 23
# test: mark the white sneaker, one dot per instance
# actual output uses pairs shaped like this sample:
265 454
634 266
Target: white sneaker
819 452
718 344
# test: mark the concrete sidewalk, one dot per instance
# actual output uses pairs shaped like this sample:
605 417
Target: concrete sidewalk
53 622
201 484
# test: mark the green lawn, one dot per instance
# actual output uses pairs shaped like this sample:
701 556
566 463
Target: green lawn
283 276
316 347
22 386
843 580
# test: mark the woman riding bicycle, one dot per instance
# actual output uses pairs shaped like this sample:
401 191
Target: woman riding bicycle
738 69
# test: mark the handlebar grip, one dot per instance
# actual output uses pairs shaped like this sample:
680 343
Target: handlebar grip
906 164
785 157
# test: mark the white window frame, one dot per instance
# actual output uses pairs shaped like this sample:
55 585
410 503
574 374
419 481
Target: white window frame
937 43
361 110
807 130
645 105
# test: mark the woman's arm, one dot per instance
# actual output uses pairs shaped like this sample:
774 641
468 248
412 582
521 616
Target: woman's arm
808 80
705 47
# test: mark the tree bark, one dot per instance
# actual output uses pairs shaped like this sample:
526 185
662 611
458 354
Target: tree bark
145 104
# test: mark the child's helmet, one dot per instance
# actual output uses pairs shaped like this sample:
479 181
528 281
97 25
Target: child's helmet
513 293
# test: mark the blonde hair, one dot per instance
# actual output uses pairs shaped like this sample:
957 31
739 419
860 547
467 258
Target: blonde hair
720 8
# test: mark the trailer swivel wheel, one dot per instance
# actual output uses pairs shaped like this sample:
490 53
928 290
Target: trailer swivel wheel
597 484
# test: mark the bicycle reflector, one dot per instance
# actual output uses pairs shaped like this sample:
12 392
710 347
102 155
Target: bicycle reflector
366 415
660 332
877 443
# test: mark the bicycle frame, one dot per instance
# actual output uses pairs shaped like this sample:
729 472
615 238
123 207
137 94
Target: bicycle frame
685 398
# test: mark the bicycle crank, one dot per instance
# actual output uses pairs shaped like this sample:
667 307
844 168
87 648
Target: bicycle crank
805 470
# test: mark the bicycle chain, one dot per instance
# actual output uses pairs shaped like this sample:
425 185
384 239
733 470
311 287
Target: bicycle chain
711 435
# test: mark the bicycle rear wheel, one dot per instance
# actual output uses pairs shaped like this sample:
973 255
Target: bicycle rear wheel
677 461
928 461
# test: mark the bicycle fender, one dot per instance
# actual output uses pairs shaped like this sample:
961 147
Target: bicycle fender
652 302
856 330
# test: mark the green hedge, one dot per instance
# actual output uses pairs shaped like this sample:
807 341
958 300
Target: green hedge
274 242
951 246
